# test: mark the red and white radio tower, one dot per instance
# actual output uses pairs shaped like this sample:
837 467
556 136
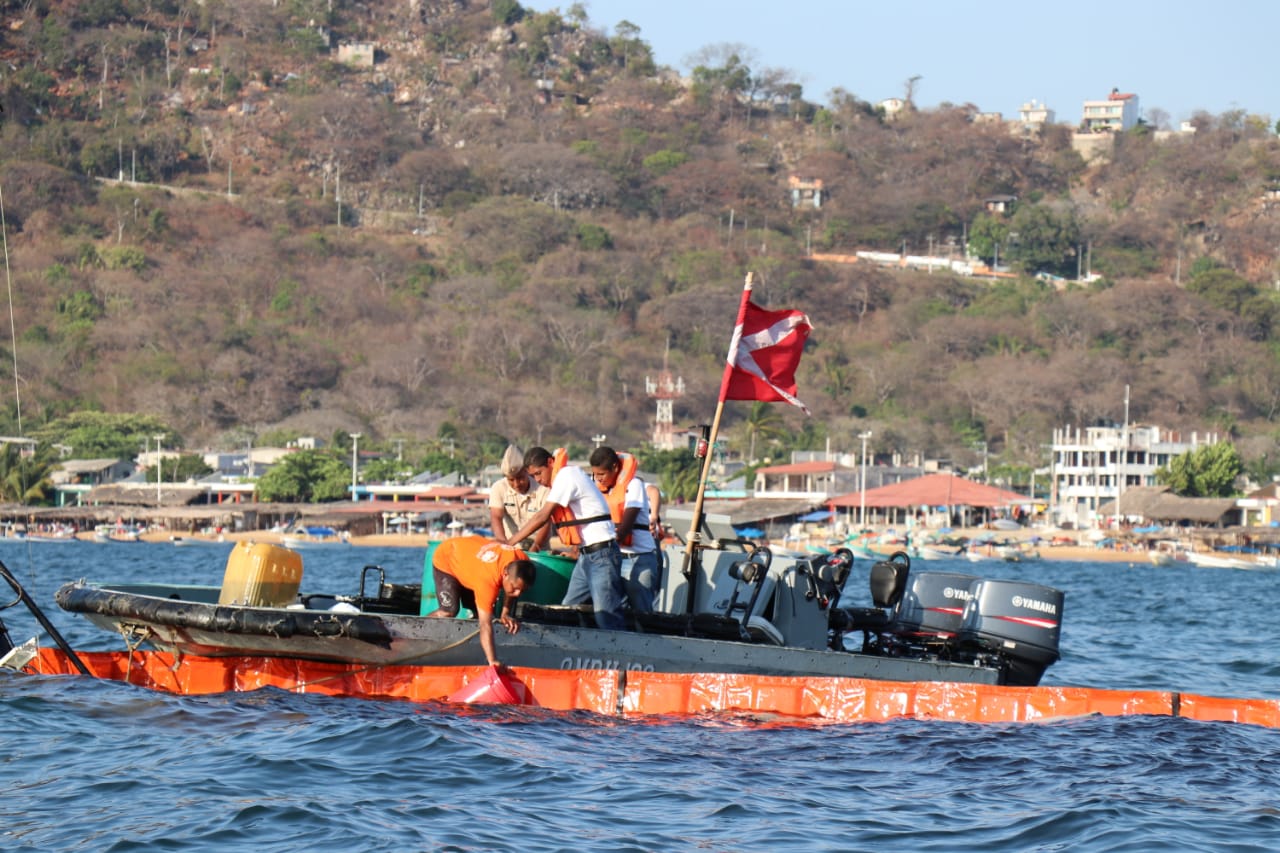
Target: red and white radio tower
665 390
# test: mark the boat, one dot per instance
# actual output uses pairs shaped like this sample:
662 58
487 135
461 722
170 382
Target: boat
42 539
311 536
929 552
116 533
1212 560
1166 552
1017 552
188 541
739 609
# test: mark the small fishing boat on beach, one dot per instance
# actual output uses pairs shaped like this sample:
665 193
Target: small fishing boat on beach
117 533
311 536
1017 552
1215 560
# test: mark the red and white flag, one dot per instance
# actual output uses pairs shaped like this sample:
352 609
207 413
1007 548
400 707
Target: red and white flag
764 354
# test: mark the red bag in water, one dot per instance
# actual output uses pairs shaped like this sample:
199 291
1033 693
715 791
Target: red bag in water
490 688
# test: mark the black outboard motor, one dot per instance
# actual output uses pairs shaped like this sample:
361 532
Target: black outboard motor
932 609
1018 623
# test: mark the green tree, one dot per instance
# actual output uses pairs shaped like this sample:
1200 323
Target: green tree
677 472
1221 287
636 54
23 479
507 11
986 234
92 435
386 470
763 423
729 79
1209 471
185 467
308 476
661 162
1043 238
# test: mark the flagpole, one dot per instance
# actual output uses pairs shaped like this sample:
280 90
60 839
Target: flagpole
695 524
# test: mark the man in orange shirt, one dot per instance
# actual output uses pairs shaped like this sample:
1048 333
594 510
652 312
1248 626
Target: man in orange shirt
470 571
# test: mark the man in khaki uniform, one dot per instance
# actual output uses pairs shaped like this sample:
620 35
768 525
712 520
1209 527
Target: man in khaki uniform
514 499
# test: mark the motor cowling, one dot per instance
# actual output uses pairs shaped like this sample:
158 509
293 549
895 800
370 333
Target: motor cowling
1017 621
933 604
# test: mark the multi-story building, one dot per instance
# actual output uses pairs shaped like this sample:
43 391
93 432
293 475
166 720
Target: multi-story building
1033 115
1117 113
1094 465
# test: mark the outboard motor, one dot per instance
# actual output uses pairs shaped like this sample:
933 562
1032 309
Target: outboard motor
888 581
1018 623
932 610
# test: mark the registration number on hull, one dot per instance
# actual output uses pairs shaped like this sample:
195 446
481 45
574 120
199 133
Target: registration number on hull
604 663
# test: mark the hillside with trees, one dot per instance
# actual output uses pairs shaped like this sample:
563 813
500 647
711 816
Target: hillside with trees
449 224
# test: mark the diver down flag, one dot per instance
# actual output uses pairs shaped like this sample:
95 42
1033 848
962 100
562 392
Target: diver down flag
764 354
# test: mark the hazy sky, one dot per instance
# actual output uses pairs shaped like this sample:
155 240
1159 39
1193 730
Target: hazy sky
1176 55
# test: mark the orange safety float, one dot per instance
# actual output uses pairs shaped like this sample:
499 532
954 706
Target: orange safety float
611 692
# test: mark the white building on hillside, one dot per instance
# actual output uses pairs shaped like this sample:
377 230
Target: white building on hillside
1118 112
1033 115
1090 464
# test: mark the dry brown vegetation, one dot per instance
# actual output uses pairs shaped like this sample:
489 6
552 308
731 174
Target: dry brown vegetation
430 241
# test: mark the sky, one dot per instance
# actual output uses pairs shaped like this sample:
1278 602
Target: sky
1178 56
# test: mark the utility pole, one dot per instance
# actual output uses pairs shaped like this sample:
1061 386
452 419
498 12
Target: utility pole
862 497
355 449
1122 460
159 468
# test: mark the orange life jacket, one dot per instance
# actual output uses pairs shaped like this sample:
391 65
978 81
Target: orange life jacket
563 519
562 516
617 496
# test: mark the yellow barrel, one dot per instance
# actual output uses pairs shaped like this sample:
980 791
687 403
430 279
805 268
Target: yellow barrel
260 574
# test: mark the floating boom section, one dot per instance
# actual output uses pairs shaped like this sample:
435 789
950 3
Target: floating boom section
800 700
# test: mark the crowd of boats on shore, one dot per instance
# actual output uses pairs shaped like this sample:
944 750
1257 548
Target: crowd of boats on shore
973 546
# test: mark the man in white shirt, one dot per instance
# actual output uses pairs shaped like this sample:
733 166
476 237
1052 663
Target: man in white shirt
597 575
628 501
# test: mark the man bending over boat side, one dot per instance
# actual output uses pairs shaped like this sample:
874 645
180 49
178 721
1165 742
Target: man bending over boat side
470 571
582 520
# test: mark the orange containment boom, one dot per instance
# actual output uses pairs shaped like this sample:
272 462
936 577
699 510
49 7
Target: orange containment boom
816 698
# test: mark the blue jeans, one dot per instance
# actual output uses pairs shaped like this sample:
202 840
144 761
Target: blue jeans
641 576
598 576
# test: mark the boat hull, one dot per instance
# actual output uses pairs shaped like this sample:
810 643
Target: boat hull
207 629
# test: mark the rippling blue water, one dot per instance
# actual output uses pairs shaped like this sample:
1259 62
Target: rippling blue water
89 765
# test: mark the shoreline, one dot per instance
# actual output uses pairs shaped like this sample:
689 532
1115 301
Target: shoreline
1075 553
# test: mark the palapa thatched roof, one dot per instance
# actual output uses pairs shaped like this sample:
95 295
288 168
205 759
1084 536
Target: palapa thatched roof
1157 503
144 494
756 510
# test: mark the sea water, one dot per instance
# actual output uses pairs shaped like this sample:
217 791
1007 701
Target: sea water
100 766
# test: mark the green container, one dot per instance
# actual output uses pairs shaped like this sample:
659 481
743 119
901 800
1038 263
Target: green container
554 572
429 602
